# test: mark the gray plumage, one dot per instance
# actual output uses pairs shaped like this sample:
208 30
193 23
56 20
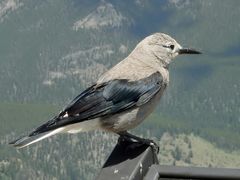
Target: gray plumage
122 98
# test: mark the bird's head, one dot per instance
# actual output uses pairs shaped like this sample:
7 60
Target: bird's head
164 48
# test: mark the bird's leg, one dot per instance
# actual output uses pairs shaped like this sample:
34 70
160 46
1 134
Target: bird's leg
125 136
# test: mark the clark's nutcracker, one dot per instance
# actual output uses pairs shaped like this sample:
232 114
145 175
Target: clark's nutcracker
122 98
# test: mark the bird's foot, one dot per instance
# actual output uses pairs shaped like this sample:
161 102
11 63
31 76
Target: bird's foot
151 143
137 141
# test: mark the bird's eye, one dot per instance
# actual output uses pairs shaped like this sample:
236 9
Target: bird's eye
171 46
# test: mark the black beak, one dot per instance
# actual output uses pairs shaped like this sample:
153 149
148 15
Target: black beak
188 51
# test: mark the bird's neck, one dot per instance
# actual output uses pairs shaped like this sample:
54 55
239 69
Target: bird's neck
144 60
137 65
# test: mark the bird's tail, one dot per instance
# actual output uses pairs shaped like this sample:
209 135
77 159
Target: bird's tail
45 130
30 139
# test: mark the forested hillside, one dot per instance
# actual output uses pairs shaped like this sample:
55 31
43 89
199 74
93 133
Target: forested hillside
51 50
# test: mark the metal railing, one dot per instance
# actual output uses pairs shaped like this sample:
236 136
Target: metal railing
132 161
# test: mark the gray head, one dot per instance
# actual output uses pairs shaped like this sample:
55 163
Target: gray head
163 47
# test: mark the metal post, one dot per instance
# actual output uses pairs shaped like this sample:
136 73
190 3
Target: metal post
134 161
128 160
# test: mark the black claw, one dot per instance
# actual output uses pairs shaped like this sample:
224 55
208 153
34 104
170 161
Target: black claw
152 144
155 147
126 137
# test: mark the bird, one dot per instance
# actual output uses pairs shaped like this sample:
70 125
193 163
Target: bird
121 98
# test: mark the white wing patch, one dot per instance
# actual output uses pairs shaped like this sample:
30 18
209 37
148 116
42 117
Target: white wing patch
65 115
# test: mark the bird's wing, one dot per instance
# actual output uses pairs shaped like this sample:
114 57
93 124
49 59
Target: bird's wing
106 99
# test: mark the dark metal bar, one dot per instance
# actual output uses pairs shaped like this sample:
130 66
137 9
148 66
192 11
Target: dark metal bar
134 161
192 173
128 160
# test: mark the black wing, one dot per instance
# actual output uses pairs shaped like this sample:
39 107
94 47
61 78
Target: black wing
106 99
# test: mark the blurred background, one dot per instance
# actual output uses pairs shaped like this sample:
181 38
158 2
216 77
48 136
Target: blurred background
51 50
